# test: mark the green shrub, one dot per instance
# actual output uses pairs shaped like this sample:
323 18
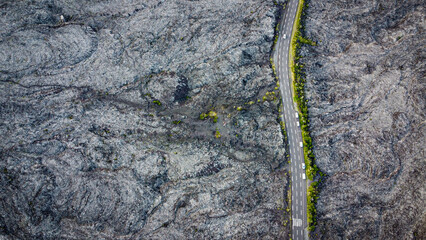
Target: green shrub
312 197
212 114
307 41
157 102
203 116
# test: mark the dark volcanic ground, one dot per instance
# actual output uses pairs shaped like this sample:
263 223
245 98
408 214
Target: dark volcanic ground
99 118
101 136
366 91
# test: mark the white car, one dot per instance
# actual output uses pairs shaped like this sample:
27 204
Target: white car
284 36
301 144
297 123
303 176
303 166
297 115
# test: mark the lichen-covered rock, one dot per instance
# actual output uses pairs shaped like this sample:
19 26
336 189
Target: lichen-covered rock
99 117
365 85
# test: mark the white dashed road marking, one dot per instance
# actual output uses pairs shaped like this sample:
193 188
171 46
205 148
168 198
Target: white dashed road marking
288 116
297 222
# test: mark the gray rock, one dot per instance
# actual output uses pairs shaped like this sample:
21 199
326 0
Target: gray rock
99 117
365 85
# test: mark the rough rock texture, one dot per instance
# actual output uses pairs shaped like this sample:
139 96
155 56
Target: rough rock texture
99 118
366 91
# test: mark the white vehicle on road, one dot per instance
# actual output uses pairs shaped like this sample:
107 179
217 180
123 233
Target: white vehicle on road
297 115
303 166
301 144
303 176
297 123
284 36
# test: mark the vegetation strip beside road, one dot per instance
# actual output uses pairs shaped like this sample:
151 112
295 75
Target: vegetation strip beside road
298 83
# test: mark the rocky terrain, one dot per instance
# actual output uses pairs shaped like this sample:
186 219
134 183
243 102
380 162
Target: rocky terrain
366 91
101 129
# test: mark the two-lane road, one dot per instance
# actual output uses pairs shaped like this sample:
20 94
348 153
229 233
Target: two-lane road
281 58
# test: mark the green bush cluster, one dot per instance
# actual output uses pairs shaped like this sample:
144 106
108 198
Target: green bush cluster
274 69
276 40
203 116
282 124
275 72
307 41
212 114
269 96
283 131
312 200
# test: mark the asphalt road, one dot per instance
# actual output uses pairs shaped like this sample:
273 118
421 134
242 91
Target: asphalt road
281 58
